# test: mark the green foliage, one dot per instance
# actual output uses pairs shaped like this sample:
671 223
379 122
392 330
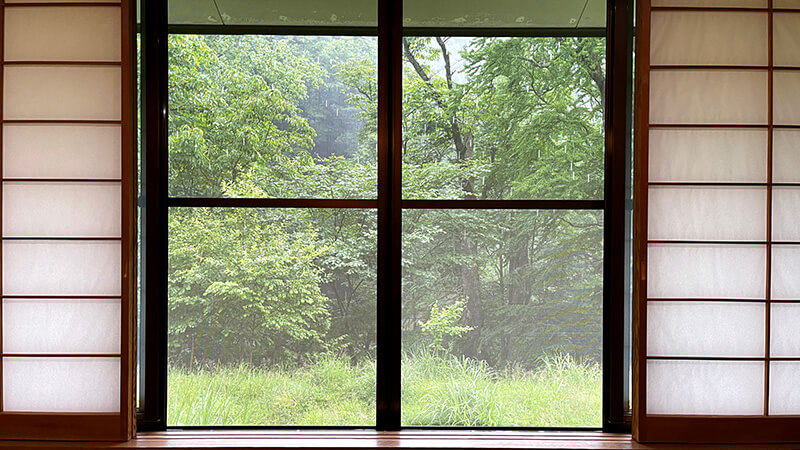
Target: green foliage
257 295
444 322
437 390
248 281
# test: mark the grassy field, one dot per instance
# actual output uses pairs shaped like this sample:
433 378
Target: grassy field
436 391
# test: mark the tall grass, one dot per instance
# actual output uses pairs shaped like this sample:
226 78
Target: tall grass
436 390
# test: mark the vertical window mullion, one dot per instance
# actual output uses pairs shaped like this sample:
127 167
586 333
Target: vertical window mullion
154 215
388 351
617 187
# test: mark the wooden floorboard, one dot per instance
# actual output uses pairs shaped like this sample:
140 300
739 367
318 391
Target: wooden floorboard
371 439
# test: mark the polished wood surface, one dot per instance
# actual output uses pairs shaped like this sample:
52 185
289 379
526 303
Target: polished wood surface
373 439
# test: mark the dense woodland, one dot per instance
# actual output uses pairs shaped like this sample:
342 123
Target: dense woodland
295 117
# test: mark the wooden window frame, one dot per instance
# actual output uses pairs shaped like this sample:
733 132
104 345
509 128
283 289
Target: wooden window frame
389 204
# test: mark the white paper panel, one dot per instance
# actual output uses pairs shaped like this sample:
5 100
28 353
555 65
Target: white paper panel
62 34
61 268
784 390
707 213
61 1
709 38
786 156
708 97
706 271
61 326
785 331
712 3
62 209
62 92
61 151
792 4
786 213
706 155
61 384
705 387
785 272
728 329
786 39
786 101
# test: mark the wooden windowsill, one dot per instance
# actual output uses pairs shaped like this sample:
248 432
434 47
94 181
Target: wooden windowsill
247 439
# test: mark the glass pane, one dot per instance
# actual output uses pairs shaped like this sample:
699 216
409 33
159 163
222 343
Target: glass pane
505 13
503 118
502 318
272 317
273 116
360 13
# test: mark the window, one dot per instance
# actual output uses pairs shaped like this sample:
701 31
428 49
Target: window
350 226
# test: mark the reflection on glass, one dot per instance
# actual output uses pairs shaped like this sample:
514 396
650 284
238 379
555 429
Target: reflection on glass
502 318
272 116
271 317
505 13
503 118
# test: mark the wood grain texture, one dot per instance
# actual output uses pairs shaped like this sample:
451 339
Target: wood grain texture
374 440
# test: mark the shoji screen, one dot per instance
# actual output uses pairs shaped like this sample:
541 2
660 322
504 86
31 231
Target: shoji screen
718 228
67 254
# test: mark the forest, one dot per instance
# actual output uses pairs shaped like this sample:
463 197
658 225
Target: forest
272 312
